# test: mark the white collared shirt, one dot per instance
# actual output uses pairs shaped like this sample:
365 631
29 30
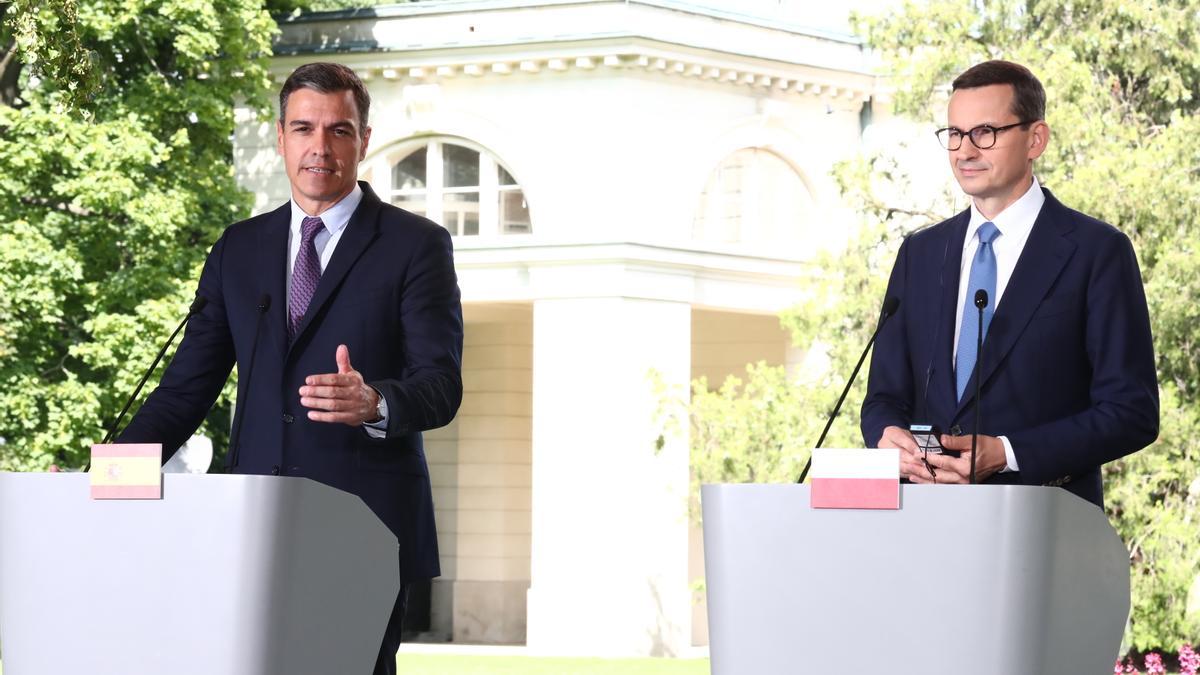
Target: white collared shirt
1014 223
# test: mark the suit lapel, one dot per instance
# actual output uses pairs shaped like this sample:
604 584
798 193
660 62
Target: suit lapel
273 243
359 233
943 376
1045 255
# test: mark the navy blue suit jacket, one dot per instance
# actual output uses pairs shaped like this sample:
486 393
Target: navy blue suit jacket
1067 364
389 292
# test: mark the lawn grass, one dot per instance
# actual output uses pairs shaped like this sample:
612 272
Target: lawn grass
454 664
439 664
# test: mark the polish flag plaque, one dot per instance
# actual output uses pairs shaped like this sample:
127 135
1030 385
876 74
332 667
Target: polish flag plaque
126 471
855 479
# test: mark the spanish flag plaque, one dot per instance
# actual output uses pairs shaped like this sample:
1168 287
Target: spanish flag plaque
127 471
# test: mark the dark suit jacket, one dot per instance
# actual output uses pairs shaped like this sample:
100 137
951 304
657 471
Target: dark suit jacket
1067 364
391 295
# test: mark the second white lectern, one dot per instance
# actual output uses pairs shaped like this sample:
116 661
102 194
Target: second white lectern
983 579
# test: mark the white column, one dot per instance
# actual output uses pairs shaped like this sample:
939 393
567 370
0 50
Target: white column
609 563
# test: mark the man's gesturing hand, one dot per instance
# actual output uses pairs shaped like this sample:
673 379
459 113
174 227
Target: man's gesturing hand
341 396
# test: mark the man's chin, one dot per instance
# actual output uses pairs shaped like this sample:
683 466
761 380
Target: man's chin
324 193
974 186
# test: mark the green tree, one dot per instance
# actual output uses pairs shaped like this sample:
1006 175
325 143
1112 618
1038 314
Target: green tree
115 178
1123 82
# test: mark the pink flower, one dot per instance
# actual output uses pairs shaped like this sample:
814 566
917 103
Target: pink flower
1154 664
1189 660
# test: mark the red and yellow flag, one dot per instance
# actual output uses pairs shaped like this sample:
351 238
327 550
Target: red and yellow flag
127 471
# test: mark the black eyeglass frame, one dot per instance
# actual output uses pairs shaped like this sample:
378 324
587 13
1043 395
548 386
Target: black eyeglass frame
970 134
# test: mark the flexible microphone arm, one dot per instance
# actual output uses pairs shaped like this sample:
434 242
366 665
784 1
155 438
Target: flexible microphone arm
264 303
981 302
890 305
197 305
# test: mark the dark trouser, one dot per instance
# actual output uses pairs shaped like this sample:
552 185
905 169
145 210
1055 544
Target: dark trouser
385 663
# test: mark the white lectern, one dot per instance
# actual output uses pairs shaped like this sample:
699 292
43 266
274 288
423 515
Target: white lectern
987 580
229 575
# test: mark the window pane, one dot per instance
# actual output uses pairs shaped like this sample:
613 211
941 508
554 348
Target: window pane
411 203
514 213
461 166
460 212
506 177
409 174
753 196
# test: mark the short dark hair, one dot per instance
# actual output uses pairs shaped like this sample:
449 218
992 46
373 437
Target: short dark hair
327 78
1029 98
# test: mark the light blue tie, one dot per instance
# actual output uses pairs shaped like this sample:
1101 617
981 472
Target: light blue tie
983 275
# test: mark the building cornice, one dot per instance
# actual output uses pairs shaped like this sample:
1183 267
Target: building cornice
521 271
414 44
449 7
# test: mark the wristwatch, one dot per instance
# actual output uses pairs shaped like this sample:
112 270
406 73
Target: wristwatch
380 407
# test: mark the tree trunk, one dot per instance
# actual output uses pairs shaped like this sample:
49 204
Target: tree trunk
10 65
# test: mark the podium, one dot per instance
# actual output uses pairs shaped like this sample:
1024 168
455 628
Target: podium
987 580
237 575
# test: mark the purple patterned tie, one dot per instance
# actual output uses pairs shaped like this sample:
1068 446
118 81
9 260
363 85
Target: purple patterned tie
306 273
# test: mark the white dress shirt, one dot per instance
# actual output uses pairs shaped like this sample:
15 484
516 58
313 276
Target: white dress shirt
1014 223
335 219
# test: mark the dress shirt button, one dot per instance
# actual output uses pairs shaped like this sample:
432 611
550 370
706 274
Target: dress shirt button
288 419
956 430
275 470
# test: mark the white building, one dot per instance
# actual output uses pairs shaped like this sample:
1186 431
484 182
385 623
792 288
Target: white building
633 186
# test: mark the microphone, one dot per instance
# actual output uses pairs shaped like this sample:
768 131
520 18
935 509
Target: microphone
231 462
890 305
197 305
981 303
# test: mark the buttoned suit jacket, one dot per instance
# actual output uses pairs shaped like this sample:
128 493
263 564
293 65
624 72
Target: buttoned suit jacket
1067 364
389 292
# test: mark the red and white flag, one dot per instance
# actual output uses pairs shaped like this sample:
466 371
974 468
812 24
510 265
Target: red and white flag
865 478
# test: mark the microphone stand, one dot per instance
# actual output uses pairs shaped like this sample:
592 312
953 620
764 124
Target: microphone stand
981 302
889 308
197 305
235 438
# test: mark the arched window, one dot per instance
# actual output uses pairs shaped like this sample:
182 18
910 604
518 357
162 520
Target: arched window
465 189
753 196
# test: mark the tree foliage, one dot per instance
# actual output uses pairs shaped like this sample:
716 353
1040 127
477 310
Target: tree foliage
1123 85
115 178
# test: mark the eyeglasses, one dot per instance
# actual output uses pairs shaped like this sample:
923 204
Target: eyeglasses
982 136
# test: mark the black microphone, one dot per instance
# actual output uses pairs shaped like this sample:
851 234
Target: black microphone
231 462
981 303
197 305
890 305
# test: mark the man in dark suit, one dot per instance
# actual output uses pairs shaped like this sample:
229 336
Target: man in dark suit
295 294
1067 366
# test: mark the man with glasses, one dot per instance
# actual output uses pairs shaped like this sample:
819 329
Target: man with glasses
1066 370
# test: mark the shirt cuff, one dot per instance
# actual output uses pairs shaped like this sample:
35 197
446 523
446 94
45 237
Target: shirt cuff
378 428
1010 456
